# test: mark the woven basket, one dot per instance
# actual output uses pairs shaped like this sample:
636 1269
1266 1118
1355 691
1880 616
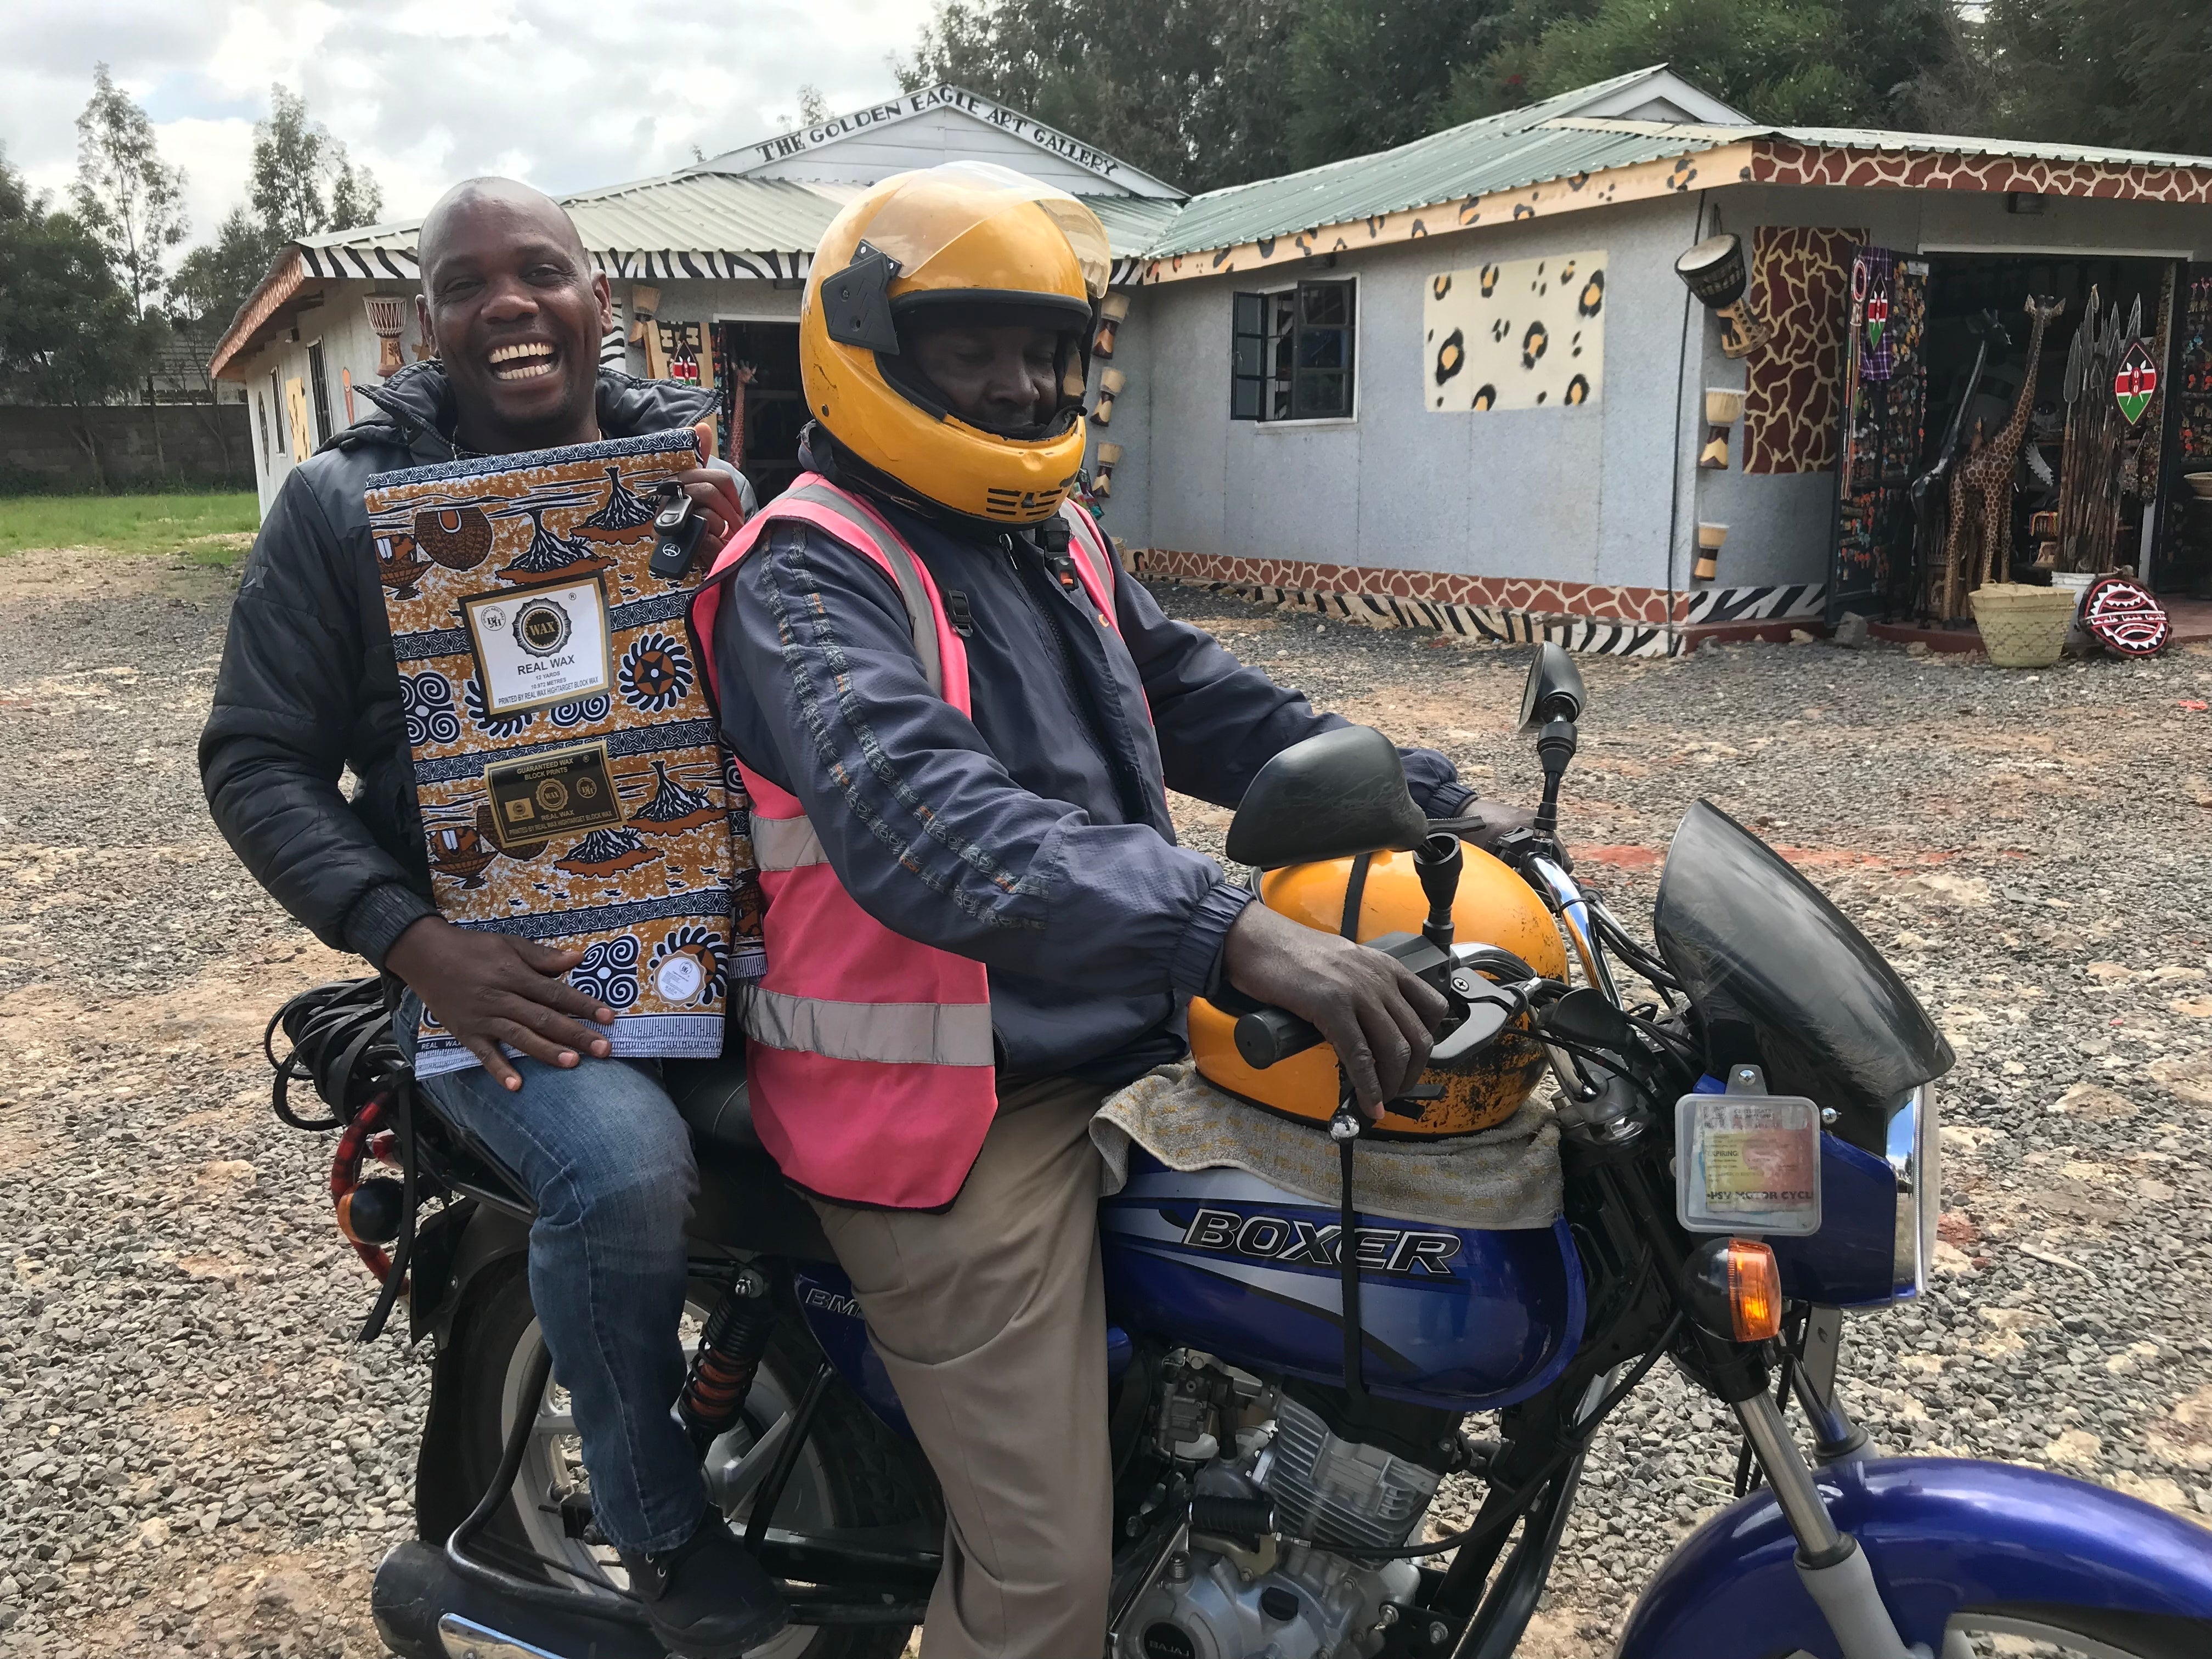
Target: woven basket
2023 626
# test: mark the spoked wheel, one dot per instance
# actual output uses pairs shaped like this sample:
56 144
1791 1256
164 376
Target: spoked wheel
850 1474
2038 1632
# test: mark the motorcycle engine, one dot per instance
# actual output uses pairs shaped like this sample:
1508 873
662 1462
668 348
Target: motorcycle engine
1265 1597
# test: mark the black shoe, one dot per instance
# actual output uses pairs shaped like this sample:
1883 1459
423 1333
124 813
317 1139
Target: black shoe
706 1598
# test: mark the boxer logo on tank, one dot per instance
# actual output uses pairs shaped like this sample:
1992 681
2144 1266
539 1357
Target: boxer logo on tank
2135 382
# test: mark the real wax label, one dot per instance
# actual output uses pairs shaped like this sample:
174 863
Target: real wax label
542 647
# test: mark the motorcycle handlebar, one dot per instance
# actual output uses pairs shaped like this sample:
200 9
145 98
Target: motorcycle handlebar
1267 1036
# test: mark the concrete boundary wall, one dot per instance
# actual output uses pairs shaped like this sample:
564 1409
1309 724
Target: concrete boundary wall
48 448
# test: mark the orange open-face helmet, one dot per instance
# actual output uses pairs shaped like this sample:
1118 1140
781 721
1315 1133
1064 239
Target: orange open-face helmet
1493 907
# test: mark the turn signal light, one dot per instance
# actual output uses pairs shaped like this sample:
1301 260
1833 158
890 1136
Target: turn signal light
1735 1288
1754 1286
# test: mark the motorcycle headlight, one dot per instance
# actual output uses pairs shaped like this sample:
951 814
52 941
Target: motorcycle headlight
1915 1155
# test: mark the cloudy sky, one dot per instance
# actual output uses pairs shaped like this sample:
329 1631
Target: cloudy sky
564 94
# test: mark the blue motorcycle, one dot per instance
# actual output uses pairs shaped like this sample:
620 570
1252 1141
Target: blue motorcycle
1748 1151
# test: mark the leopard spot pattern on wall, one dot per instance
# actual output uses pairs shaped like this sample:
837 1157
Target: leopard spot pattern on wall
1534 344
1451 356
1800 284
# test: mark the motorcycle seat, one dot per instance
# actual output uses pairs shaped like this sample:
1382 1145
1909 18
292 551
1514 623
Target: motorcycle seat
712 1096
743 1199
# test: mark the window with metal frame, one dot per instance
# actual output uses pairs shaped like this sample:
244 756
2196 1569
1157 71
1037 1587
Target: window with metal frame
320 381
261 412
276 415
1291 353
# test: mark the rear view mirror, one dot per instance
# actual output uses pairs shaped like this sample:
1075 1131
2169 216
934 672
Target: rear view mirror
1554 691
1331 797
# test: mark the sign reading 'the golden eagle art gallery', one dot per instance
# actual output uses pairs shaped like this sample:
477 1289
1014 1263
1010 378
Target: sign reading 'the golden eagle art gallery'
572 787
1526 334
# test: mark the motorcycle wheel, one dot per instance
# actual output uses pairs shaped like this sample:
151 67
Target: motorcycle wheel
2061 1633
852 1472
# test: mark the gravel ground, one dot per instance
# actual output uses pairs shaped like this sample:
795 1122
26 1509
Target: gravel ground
195 1456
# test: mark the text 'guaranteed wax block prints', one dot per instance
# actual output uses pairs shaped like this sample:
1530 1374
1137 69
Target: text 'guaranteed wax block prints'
572 787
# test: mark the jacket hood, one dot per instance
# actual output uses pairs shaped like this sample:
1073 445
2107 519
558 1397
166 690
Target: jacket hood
415 409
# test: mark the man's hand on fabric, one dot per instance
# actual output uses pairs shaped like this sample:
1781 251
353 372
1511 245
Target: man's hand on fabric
1374 1013
488 990
714 491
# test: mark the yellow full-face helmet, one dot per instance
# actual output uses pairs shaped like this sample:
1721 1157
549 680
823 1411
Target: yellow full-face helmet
968 241
1493 906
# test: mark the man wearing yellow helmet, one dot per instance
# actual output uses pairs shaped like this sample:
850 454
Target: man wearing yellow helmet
957 722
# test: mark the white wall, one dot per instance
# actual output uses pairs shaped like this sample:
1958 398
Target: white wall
1579 494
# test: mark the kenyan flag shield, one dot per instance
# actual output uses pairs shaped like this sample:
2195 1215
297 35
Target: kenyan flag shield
2135 382
1877 319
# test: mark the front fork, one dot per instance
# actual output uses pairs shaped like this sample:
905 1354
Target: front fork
1831 1563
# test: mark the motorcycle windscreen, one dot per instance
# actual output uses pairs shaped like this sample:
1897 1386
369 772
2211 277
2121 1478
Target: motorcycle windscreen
1782 980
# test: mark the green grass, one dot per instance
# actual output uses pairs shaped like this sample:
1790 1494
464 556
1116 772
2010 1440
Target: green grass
132 524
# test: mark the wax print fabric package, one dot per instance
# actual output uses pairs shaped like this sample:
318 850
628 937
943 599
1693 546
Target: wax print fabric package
572 785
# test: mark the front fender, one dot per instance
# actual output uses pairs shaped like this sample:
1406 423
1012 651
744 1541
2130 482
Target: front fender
1943 1535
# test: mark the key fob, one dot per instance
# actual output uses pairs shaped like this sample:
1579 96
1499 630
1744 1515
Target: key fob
677 528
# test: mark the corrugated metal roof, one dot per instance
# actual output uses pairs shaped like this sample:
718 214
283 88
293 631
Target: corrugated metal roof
1498 152
1133 223
1940 143
1530 146
701 211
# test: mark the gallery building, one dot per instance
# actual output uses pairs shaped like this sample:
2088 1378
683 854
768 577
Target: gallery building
1480 382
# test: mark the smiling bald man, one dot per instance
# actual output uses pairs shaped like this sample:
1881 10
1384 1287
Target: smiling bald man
309 688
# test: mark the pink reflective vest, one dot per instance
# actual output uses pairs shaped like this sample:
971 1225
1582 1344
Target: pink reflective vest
870 1056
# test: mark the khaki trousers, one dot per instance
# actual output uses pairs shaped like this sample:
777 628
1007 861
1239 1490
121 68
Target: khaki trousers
991 1319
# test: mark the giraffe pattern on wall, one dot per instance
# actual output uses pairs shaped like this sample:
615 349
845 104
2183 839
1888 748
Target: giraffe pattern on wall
1981 488
1800 284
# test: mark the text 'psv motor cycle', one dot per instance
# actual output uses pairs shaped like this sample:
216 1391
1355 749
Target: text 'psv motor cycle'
1745 1157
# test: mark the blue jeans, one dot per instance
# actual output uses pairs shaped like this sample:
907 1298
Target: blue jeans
609 1164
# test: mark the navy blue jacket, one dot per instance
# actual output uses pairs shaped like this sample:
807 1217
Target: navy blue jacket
1035 838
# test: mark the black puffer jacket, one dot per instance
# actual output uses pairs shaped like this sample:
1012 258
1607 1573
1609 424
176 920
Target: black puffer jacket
308 688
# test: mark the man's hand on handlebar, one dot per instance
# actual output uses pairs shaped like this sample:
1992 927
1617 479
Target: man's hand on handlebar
488 989
1375 1013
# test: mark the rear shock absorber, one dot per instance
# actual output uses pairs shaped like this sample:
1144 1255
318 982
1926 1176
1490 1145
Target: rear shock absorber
729 1353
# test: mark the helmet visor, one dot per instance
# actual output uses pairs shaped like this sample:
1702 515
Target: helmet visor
935 208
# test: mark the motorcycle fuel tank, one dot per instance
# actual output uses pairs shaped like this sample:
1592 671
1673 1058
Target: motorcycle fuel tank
1222 1260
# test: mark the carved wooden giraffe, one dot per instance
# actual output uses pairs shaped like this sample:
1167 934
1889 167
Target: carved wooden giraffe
1981 489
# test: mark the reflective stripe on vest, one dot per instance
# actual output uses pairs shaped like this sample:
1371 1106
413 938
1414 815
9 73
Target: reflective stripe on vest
785 843
883 1033
896 555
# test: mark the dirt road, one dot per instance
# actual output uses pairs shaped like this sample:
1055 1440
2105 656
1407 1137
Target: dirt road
195 1456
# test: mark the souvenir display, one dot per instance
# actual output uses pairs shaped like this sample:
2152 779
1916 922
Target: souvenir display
1112 311
1723 408
2135 381
1711 537
1110 388
1716 272
1883 423
571 784
387 321
2120 614
1102 474
1978 548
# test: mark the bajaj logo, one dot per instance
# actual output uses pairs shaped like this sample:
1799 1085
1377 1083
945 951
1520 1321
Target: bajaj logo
1288 1242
